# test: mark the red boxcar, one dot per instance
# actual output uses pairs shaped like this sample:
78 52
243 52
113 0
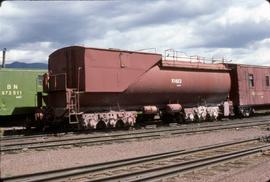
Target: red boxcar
250 89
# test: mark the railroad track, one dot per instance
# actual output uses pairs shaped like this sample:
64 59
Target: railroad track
162 128
123 137
182 126
111 133
154 167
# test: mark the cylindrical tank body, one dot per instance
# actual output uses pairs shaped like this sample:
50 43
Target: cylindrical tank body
161 87
188 87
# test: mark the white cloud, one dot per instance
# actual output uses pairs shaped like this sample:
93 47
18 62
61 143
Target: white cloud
237 30
168 36
259 13
30 52
12 10
8 33
29 55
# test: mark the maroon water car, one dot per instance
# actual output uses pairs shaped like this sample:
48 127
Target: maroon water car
109 88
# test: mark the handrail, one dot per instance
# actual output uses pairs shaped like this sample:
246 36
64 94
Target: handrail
174 56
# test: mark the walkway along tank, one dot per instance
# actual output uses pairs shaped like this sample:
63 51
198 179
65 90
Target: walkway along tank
109 88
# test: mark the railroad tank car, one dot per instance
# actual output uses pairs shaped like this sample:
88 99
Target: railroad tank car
105 87
250 90
18 92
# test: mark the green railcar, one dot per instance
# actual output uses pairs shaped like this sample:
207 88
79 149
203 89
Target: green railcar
18 91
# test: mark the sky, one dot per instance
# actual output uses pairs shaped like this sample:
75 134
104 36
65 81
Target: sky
235 30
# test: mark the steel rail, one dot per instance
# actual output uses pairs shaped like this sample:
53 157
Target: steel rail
179 127
74 171
167 171
133 133
54 144
106 139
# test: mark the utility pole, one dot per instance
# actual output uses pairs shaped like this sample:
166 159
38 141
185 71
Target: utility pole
4 58
1 2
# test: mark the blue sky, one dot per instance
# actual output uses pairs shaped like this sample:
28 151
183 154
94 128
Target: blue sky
236 30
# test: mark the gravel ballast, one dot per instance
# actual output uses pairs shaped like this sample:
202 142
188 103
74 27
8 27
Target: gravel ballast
37 161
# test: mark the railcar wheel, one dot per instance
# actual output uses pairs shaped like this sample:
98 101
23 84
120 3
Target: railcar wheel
120 124
101 125
246 111
179 118
28 124
49 115
164 118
